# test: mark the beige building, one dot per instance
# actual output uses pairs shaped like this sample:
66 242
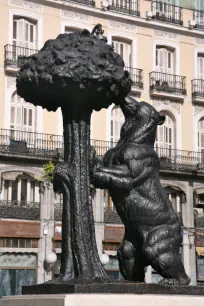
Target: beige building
162 44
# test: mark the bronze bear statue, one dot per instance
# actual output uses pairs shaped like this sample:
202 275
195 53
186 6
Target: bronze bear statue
130 171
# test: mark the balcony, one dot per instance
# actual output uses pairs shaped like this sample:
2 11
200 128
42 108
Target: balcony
40 146
167 13
125 7
13 142
19 210
111 216
199 220
198 90
14 56
167 85
58 211
199 19
137 78
180 160
85 2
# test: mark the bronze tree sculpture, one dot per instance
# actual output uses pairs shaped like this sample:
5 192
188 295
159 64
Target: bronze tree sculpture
130 171
79 73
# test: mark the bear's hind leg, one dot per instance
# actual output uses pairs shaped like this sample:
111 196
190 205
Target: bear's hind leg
131 261
161 249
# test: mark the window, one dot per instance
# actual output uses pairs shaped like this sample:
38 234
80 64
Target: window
165 137
200 66
175 198
199 5
18 243
21 189
24 33
22 115
16 270
201 139
124 49
117 120
164 60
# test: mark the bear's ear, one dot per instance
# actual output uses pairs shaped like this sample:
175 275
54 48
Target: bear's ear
161 119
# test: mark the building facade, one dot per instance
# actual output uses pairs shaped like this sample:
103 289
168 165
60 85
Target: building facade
162 44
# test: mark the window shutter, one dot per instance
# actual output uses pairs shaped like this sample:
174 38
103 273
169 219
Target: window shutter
22 115
117 120
24 35
124 49
18 119
20 33
160 60
201 67
12 122
164 60
165 134
126 56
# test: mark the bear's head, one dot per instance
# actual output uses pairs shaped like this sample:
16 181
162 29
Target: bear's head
141 120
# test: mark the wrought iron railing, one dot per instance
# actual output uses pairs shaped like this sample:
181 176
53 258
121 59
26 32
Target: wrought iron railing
24 142
199 19
198 88
19 210
167 12
39 144
180 159
125 7
111 216
15 56
136 76
58 211
85 2
170 83
199 220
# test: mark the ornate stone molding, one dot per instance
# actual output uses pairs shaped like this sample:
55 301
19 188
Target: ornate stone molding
199 41
159 102
198 109
11 81
167 35
76 16
122 26
27 4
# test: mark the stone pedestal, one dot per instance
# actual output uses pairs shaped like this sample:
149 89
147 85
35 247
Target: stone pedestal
102 300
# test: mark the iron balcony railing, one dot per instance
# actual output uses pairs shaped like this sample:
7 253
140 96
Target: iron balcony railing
111 216
199 220
58 211
15 56
30 143
39 144
199 19
136 76
125 7
180 159
167 12
197 88
85 2
19 210
171 83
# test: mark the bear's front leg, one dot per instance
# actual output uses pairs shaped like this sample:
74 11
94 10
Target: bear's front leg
113 178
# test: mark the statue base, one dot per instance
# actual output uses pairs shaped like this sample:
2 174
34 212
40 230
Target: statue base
102 300
112 288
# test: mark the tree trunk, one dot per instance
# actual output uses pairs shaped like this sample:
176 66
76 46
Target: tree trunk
80 260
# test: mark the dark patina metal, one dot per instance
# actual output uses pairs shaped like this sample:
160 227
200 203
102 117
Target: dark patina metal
130 171
78 72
